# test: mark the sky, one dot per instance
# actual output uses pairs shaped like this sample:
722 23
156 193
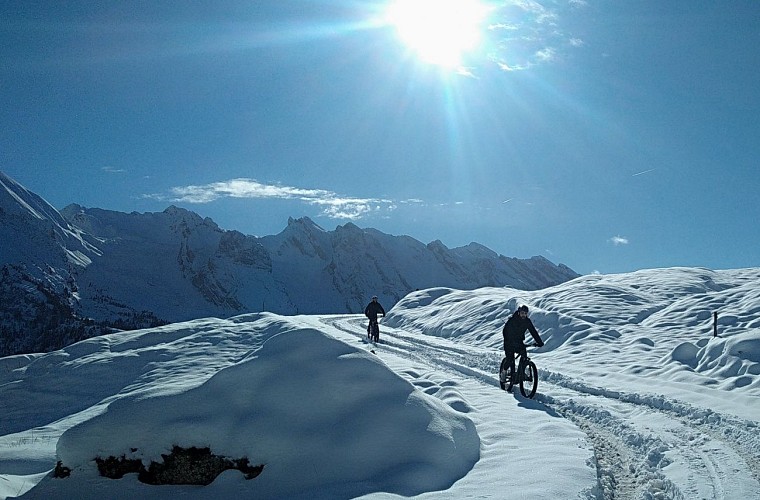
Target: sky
607 136
671 413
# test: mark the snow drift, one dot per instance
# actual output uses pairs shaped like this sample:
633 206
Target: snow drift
345 426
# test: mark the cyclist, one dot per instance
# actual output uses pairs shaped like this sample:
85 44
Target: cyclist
514 334
371 311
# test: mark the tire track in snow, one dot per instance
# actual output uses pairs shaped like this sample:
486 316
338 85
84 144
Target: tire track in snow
630 458
629 463
742 436
712 465
734 439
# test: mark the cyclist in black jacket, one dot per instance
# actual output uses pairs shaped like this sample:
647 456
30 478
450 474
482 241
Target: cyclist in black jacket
372 310
514 334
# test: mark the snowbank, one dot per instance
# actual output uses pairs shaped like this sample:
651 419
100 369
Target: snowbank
317 413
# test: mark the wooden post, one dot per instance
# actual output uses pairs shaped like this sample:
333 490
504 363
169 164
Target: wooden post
715 324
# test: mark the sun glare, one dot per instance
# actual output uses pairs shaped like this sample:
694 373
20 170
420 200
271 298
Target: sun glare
439 31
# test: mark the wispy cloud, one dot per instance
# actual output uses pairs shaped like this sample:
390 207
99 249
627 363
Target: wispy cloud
644 172
503 26
332 204
529 33
462 71
546 54
514 67
619 240
113 170
529 5
542 13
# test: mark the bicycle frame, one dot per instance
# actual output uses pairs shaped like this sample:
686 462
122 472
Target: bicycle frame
523 373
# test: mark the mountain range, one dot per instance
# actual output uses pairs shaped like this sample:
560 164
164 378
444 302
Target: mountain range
79 272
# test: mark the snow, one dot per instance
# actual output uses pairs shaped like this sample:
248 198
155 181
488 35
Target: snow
100 269
636 398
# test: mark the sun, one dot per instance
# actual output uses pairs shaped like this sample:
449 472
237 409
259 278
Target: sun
440 32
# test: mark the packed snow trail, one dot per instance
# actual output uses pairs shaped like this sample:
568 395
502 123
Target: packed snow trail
510 452
645 446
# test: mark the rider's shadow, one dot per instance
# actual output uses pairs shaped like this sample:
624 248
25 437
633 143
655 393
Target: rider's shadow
533 404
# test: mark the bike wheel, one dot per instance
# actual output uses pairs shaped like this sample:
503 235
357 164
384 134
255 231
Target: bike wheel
503 374
529 380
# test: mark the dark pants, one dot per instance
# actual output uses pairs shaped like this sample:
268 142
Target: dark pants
509 352
373 321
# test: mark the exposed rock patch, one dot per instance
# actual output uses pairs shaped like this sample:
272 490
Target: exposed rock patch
195 466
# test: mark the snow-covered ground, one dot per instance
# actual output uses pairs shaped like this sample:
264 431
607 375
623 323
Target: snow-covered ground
637 399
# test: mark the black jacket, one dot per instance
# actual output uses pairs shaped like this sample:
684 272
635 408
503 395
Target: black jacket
373 309
514 331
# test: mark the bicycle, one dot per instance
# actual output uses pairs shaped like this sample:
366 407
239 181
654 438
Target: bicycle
373 330
526 377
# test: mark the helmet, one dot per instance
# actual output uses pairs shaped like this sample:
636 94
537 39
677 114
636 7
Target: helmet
523 308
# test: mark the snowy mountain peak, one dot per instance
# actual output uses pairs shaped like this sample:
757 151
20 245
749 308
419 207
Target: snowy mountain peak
177 211
17 200
437 246
304 224
37 230
189 218
477 250
143 269
350 226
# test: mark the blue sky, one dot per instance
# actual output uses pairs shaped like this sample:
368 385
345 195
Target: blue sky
609 136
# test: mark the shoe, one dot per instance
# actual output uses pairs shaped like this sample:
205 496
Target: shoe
502 385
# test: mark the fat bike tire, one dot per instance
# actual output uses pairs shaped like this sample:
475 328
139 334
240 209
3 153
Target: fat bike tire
529 380
374 332
505 374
